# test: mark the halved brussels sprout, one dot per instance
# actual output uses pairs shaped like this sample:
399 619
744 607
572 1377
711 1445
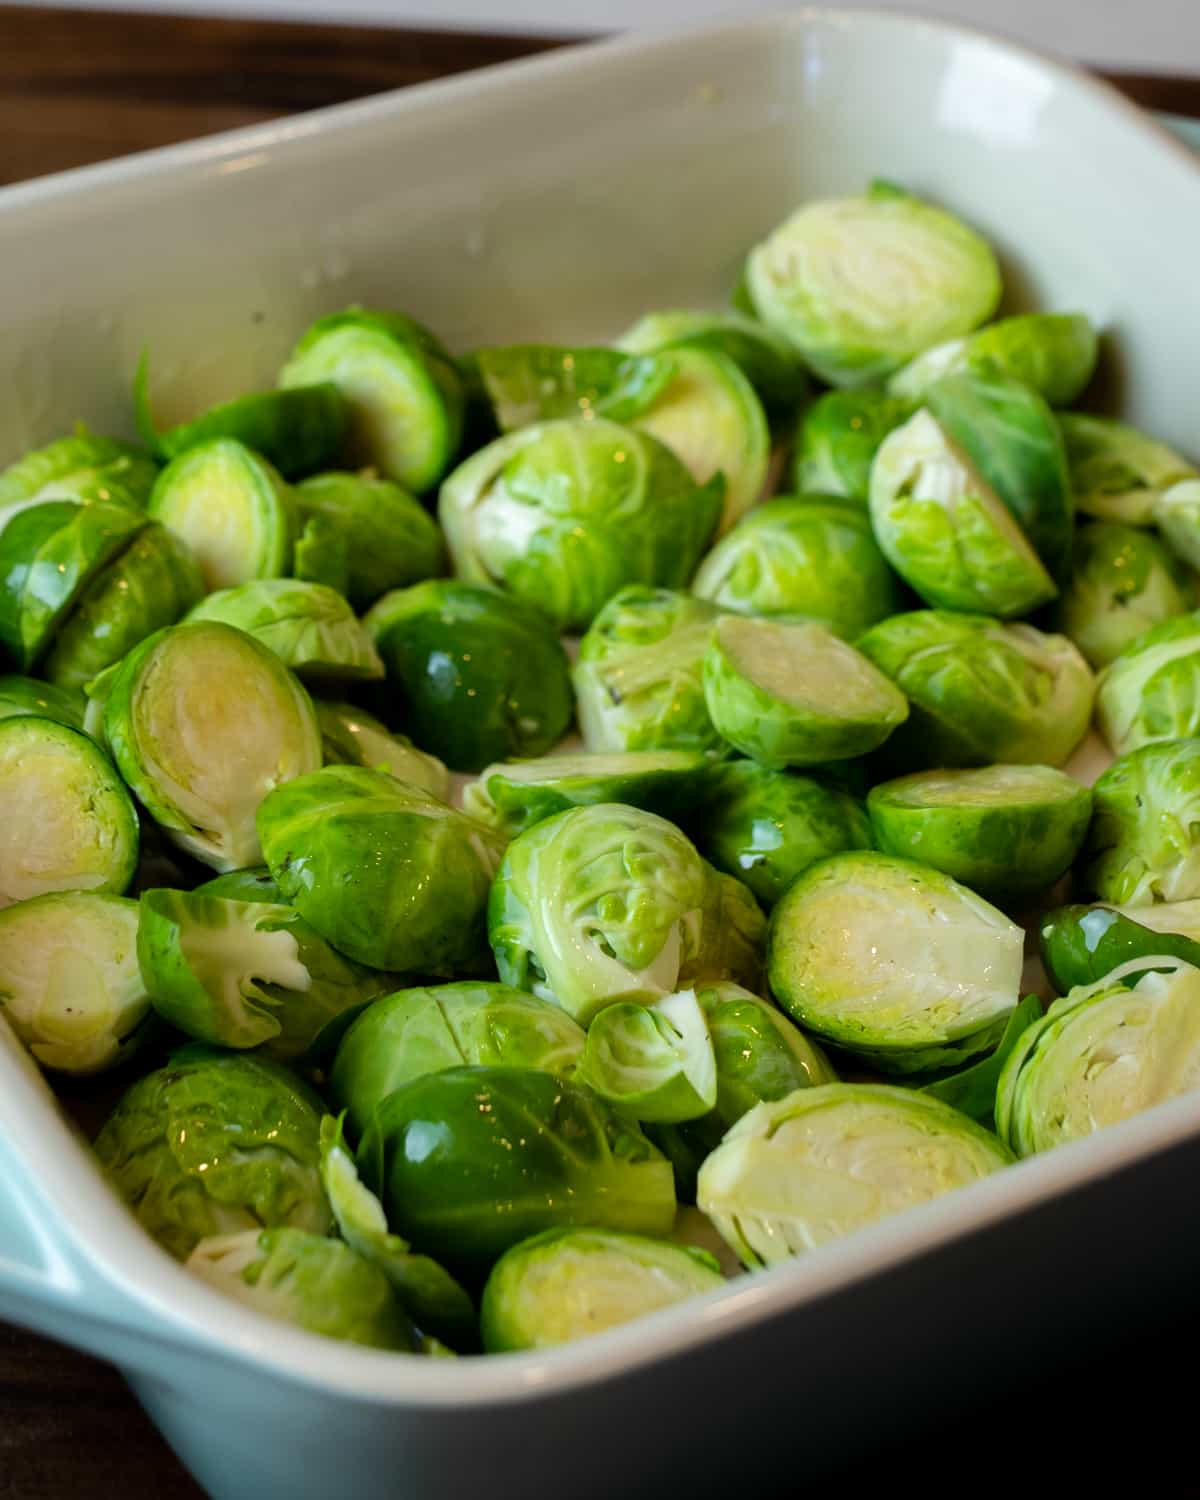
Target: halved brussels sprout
214 1143
245 973
69 981
793 1175
446 1151
309 627
568 1283
894 961
837 439
1101 1054
403 394
203 721
1151 690
946 531
233 510
514 795
389 539
795 695
1123 582
980 691
732 939
1144 842
352 737
972 1089
563 514
66 822
82 467
802 555
1117 472
638 679
475 676
767 360
527 383
595 905
918 276
319 1284
1082 945
49 553
150 585
27 695
1177 516
412 1032
1054 353
385 872
653 1062
1006 831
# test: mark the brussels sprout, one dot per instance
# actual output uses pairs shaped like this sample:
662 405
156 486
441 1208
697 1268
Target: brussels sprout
82 467
417 1031
243 885
946 531
1054 353
1117 472
49 553
919 276
477 676
732 939
526 383
319 1284
1082 945
973 1089
794 1174
1144 842
767 360
980 691
385 872
389 539
214 1143
1151 690
352 737
653 1062
568 1283
427 1293
1101 1054
66 822
403 394
233 510
639 676
894 961
802 555
472 1160
837 439
45 700
244 973
1124 582
1177 516
1006 831
309 627
202 721
69 981
597 904
563 514
514 796
321 554
795 695
766 827
150 585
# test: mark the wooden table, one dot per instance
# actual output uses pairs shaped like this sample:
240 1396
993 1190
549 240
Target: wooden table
80 86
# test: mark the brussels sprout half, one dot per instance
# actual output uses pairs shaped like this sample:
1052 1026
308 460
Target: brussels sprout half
919 276
653 1062
802 555
309 627
837 439
353 737
639 675
475 675
82 467
203 721
527 383
1177 516
1123 582
819 1164
1082 945
1053 353
1144 842
1151 690
894 961
1117 472
446 1151
767 360
66 821
795 695
27 695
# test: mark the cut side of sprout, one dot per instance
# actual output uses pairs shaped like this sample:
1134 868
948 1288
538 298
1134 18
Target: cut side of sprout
654 1062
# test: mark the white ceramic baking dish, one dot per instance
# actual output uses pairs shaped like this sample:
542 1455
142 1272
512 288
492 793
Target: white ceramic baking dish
559 198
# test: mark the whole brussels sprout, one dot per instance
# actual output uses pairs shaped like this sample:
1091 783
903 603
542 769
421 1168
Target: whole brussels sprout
213 1143
980 691
1117 472
474 675
353 737
920 276
1054 353
1144 842
1124 581
652 1062
20 696
83 467
802 555
1151 690
767 360
309 627
563 514
837 438
386 873
1082 945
